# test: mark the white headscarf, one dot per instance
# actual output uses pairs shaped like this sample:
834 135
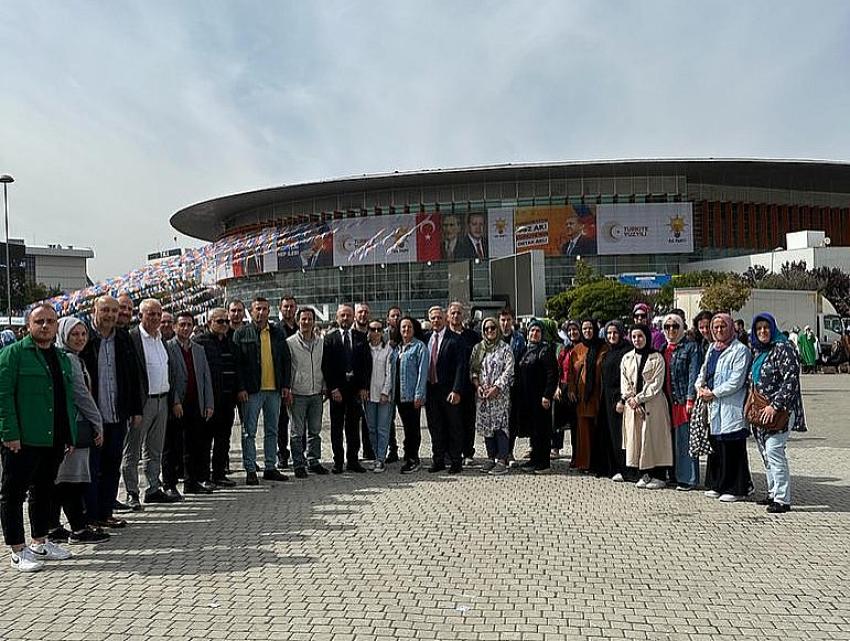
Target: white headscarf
674 319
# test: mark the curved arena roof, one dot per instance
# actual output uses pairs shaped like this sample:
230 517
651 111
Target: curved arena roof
207 220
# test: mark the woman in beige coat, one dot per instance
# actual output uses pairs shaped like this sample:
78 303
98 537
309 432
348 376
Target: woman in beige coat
646 415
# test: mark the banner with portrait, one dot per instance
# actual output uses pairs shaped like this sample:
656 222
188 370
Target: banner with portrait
557 230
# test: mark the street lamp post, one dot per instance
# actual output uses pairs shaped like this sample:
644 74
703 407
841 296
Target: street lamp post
6 179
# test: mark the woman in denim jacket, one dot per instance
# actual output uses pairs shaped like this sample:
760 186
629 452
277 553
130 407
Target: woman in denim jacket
776 374
683 360
411 373
722 382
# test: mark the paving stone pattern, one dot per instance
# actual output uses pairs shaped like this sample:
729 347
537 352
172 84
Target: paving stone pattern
537 558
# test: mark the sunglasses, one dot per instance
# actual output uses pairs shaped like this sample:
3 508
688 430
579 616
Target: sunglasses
375 329
490 329
640 315
221 321
671 327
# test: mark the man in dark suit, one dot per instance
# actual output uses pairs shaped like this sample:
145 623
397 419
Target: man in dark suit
469 338
115 386
288 325
340 367
447 375
576 243
474 243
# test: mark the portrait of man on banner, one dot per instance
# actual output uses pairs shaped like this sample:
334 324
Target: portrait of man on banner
579 231
473 242
305 247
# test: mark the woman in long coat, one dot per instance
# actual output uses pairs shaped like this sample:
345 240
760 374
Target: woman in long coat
608 457
537 376
585 389
646 414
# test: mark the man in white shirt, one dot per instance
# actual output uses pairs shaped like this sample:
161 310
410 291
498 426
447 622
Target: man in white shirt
149 435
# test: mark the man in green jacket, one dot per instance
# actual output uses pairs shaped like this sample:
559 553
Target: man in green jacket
37 425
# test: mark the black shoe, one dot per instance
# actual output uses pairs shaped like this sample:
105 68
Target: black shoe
195 488
118 506
58 535
318 469
251 478
767 500
455 469
409 467
134 503
392 457
778 508
436 467
223 481
300 473
355 467
173 495
283 465
337 468
88 536
274 475
158 496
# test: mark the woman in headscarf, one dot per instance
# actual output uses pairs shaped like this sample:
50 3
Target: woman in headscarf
607 455
775 373
646 414
565 409
491 370
722 383
683 360
7 337
537 377
807 345
585 389
73 475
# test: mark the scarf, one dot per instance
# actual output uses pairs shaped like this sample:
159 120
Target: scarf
593 345
644 353
674 319
66 326
724 337
484 347
762 350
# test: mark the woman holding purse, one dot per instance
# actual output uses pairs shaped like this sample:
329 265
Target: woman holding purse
775 375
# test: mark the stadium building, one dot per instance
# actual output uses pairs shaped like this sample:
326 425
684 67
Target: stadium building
401 237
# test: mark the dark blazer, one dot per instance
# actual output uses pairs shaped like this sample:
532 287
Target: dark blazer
246 350
222 364
465 249
452 361
128 400
142 368
335 362
584 247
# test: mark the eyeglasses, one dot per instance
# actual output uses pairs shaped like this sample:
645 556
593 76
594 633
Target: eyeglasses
640 315
221 321
671 327
375 329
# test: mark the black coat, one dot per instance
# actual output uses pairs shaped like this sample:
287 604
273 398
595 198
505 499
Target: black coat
336 363
222 361
129 400
452 361
537 377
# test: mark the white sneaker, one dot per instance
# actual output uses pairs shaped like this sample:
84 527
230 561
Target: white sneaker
24 561
50 551
730 498
644 480
711 494
617 478
379 468
656 484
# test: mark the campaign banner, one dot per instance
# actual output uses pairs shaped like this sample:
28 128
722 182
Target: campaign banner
429 237
373 240
305 246
646 228
500 231
558 230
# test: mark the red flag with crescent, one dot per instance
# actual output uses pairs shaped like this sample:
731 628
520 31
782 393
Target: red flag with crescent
428 237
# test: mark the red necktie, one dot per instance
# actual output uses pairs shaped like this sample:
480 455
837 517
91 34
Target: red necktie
432 368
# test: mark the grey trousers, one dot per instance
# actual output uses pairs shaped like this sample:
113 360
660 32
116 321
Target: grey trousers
305 426
148 438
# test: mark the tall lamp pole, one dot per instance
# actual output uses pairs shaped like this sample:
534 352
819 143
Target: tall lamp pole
6 179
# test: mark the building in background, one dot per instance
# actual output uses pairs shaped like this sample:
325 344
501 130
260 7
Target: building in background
57 266
394 238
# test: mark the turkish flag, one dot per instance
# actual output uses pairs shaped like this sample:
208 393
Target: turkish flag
428 237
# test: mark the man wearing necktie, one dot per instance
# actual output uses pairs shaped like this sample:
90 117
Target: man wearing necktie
447 375
342 368
474 243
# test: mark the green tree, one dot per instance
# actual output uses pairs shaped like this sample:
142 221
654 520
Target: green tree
603 299
730 294
664 299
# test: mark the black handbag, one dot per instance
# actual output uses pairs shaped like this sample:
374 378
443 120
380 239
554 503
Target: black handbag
85 433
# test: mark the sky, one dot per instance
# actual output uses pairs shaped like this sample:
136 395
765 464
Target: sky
115 114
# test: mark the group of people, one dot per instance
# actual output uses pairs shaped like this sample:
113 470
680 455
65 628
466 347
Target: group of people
83 404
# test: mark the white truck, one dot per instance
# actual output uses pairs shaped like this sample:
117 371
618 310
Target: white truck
790 308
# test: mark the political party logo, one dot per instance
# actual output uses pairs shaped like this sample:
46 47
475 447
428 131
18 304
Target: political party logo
677 226
615 232
501 226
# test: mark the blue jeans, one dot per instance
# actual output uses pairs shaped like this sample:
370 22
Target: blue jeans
305 426
498 445
269 403
378 418
687 466
776 466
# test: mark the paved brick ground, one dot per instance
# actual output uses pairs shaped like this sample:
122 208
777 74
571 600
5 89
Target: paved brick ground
472 557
